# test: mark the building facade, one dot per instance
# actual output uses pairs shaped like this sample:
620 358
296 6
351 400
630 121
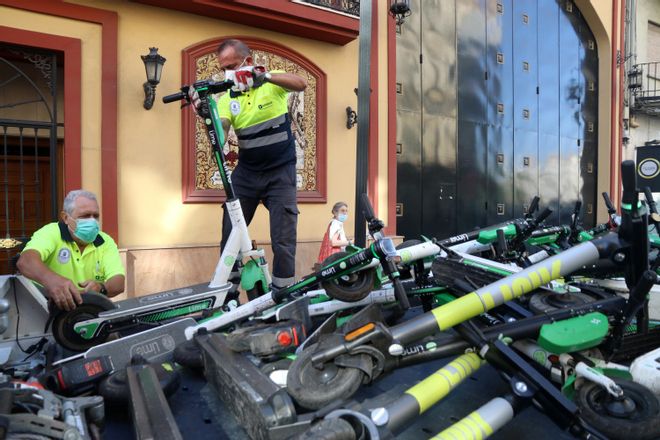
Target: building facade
78 62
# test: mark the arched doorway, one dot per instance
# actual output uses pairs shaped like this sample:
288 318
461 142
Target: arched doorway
31 138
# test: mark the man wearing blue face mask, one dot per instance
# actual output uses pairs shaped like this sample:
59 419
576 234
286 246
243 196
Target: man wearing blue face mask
73 256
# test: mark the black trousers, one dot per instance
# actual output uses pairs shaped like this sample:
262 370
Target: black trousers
276 188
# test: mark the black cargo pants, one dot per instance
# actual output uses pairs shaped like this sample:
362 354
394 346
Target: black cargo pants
276 188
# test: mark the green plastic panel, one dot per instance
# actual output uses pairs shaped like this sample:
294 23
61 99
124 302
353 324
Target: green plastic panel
490 236
574 334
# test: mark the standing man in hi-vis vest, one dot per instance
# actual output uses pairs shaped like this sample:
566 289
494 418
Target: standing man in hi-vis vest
266 171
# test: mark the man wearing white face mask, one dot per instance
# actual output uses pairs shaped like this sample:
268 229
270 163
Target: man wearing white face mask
73 256
266 172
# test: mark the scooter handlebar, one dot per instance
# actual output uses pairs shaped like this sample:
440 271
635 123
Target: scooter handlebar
534 205
629 195
175 97
608 203
543 215
204 87
650 201
367 209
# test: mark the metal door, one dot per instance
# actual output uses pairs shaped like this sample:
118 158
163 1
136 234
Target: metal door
499 117
507 108
589 123
569 111
548 105
409 125
525 108
438 54
472 114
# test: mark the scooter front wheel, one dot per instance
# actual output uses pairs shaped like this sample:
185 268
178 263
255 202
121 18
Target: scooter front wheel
313 388
352 287
64 322
635 416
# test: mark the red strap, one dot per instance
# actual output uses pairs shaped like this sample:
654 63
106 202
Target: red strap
326 247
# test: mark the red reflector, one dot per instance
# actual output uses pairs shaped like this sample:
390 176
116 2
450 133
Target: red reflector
60 379
553 358
284 338
93 368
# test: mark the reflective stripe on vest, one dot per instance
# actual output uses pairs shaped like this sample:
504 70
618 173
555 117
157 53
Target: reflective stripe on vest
263 134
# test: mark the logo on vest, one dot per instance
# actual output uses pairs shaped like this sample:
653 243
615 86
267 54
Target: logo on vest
234 107
63 256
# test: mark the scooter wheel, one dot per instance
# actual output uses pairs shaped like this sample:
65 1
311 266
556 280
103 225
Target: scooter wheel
329 429
543 302
313 388
63 322
115 391
189 355
636 416
349 288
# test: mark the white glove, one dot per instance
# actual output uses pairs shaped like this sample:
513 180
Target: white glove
243 79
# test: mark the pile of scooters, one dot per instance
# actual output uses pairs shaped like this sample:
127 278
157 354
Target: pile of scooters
561 313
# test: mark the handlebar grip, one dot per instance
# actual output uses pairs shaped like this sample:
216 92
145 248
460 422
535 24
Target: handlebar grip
534 205
650 201
501 241
628 179
174 97
576 214
543 215
401 295
367 208
578 206
608 203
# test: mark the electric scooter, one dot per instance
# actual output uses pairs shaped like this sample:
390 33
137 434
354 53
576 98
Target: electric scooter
354 354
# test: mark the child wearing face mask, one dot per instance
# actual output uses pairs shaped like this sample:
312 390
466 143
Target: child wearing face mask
335 239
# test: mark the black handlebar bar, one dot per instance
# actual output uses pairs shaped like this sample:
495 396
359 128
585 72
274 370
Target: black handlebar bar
534 205
203 88
368 210
629 195
176 96
650 201
608 203
542 216
576 217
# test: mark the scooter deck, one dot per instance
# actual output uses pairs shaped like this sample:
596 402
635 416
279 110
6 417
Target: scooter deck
155 345
167 298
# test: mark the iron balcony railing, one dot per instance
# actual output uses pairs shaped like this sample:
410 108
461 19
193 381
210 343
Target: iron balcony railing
644 84
350 7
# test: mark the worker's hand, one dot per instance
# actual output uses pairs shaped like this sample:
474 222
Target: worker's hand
63 293
243 79
201 107
194 98
90 286
261 75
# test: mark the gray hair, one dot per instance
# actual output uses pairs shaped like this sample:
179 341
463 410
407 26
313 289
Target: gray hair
241 48
70 199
